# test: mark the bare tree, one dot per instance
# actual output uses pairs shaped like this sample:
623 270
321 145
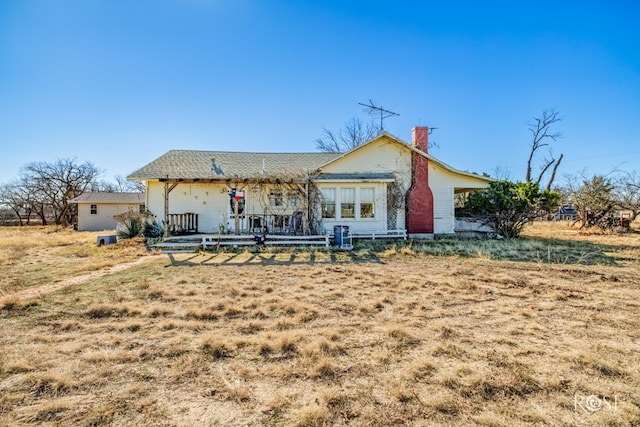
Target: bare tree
16 197
501 173
103 186
129 186
44 189
354 133
52 185
542 136
627 192
120 185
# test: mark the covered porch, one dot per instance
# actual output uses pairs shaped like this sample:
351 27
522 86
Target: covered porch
279 224
233 207
465 226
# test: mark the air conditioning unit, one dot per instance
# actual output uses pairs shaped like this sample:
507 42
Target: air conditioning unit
342 238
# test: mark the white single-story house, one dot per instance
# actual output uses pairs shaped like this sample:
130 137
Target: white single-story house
96 210
381 186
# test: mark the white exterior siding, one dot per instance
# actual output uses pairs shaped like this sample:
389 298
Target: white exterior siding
379 156
209 201
155 204
377 223
443 184
103 220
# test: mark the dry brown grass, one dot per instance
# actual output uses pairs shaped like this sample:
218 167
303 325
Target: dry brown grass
393 337
34 256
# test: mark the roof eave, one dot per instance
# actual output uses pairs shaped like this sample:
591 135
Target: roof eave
356 180
451 169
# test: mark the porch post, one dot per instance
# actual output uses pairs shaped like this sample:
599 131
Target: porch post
304 188
235 213
166 209
167 190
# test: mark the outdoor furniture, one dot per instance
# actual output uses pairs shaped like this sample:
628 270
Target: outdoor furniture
255 224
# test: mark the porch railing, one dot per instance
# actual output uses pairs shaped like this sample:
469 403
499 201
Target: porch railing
287 224
182 223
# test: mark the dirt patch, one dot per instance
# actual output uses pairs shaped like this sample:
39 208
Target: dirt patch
44 289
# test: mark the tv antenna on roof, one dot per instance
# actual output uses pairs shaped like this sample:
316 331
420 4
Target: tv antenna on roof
374 109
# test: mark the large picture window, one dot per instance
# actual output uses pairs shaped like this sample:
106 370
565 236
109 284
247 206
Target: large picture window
367 197
348 203
328 202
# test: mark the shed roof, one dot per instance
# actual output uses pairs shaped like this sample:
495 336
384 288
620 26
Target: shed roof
109 197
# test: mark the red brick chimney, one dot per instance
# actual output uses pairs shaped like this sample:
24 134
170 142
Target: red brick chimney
420 200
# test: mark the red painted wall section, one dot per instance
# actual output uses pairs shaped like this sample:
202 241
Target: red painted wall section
420 203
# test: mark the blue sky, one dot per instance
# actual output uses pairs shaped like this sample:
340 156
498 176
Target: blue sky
118 83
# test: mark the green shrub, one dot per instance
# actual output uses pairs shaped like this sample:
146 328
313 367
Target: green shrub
134 224
507 207
130 228
152 230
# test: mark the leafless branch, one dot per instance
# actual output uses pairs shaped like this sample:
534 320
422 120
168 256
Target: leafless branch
354 133
554 171
541 134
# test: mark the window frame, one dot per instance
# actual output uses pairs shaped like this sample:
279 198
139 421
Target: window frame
276 199
349 207
293 199
328 204
371 203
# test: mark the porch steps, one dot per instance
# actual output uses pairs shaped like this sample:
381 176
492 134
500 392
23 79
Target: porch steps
214 241
196 242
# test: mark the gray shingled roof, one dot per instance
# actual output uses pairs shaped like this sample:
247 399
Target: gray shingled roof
106 197
222 165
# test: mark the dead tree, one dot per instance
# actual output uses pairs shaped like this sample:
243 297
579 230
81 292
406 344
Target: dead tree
627 191
16 198
52 185
354 133
543 136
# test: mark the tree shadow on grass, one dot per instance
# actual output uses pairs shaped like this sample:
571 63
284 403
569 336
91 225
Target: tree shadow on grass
524 249
271 259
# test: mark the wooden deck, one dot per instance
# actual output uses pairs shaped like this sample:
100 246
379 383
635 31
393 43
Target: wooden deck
197 242
215 241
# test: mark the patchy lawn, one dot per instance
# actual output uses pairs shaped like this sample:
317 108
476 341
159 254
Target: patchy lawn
503 334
